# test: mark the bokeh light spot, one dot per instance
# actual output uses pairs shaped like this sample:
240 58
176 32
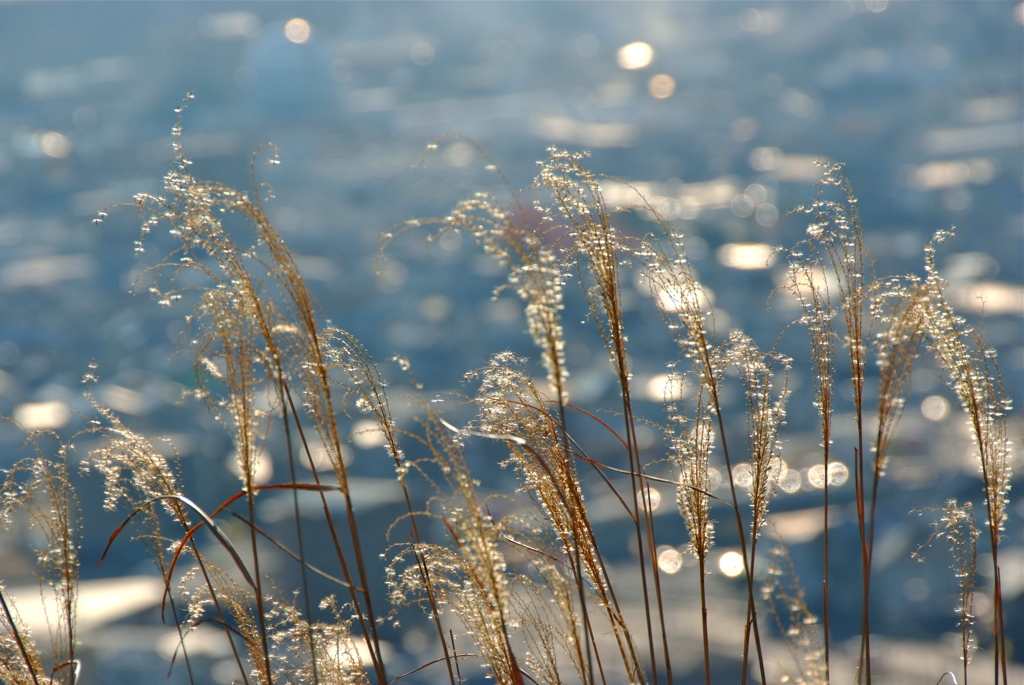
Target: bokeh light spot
747 256
789 481
366 434
667 387
322 460
766 216
654 495
50 415
54 144
917 589
635 55
670 560
742 475
436 308
681 298
661 86
744 129
816 476
757 193
422 52
765 158
837 473
731 564
742 206
714 478
297 30
935 407
261 467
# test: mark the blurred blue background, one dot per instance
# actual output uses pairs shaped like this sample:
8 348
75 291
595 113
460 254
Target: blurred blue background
717 111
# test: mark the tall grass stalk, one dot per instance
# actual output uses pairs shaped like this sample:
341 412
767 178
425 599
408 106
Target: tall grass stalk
972 372
836 233
40 486
808 281
958 528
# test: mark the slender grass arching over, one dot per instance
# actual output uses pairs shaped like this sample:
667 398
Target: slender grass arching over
516 584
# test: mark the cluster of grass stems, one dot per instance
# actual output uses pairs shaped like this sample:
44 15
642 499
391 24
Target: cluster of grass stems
526 595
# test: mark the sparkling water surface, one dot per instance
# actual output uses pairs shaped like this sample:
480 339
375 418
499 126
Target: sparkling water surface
716 112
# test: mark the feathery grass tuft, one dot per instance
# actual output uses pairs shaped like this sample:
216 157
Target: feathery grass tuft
517 582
